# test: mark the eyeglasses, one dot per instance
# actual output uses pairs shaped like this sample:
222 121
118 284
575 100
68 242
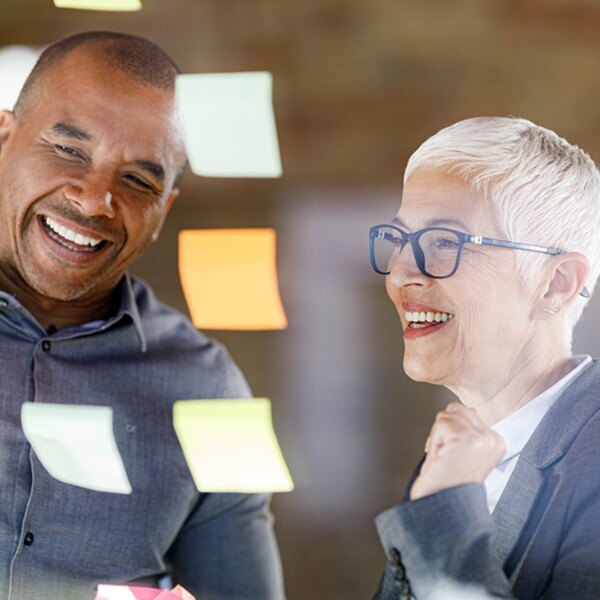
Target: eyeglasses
437 250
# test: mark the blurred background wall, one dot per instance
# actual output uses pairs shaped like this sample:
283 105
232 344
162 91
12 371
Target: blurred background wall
358 84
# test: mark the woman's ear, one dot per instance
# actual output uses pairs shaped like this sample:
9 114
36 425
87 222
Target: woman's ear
566 276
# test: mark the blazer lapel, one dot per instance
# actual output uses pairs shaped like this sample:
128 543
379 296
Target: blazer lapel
552 438
514 507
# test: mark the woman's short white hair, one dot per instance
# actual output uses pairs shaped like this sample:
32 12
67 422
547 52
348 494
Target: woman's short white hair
545 190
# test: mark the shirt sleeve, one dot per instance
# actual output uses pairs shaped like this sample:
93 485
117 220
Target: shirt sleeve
227 548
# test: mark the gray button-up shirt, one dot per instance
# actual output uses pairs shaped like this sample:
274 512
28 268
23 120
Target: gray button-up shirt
60 541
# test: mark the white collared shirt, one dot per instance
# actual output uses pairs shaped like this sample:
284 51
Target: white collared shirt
517 428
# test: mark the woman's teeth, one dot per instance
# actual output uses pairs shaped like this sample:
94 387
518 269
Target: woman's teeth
418 320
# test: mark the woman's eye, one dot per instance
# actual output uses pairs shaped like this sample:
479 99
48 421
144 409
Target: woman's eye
446 243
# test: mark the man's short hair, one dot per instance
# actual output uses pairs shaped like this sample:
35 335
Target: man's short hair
137 57
544 190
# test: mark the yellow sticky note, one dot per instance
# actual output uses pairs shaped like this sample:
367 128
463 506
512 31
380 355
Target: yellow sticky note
230 445
228 124
112 5
229 278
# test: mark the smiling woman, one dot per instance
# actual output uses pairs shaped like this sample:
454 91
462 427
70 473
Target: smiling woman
488 310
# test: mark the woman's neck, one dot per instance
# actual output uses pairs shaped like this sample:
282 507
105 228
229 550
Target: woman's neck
497 395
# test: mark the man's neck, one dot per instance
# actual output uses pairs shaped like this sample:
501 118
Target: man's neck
56 314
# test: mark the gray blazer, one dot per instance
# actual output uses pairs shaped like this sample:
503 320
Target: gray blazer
543 538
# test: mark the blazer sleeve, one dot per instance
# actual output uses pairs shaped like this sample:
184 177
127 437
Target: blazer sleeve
441 546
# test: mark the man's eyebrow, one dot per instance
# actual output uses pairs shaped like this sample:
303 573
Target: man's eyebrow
434 223
70 131
158 171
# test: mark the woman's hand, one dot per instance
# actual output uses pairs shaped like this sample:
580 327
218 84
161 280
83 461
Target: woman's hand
460 448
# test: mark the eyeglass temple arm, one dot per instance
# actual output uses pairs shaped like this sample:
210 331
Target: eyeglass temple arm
476 239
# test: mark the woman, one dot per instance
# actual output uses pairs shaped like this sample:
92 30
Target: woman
489 262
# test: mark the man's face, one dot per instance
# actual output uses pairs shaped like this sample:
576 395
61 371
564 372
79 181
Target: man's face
491 306
86 177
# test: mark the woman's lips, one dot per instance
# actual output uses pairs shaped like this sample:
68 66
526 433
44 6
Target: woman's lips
411 333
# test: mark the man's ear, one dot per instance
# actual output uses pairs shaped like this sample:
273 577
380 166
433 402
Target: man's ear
168 203
8 123
566 276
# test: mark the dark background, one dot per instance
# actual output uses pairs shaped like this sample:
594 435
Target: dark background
358 85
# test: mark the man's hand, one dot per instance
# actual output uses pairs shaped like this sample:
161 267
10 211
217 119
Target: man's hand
460 448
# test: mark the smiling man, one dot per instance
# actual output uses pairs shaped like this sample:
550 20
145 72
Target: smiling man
89 164
489 263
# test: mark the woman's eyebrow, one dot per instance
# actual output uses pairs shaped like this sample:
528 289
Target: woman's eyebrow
432 223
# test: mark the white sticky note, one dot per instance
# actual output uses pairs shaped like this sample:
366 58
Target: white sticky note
111 5
16 62
230 445
228 124
76 445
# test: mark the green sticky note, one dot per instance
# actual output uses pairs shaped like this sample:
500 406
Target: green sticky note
76 445
230 445
228 124
112 5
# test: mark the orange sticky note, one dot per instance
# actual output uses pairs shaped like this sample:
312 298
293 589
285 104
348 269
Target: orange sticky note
229 278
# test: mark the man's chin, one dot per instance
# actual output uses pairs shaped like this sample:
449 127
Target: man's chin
65 291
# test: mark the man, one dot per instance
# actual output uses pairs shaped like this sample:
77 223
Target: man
89 164
489 262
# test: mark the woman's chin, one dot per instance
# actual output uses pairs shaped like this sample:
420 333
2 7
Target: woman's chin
426 370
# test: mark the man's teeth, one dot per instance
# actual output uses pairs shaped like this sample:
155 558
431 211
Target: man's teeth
416 317
76 238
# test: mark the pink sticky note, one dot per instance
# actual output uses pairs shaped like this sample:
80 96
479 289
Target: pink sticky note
126 592
182 593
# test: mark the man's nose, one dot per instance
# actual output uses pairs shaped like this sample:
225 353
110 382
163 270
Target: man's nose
404 270
92 195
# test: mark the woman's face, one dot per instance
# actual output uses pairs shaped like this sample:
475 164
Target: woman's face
491 327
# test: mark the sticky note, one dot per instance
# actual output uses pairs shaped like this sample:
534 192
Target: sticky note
76 445
230 445
127 592
16 62
228 124
112 5
229 278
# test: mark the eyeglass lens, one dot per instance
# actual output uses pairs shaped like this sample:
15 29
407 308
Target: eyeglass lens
439 250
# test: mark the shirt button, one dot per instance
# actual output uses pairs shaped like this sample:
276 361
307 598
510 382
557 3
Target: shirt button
45 346
3 303
28 539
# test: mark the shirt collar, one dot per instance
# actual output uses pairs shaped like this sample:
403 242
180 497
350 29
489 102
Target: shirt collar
517 428
129 307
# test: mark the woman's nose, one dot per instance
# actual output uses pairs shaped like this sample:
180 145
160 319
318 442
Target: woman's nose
404 269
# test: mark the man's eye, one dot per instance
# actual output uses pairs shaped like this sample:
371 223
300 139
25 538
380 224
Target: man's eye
67 150
137 181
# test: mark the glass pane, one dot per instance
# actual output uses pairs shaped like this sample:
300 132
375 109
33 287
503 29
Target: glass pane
440 248
387 244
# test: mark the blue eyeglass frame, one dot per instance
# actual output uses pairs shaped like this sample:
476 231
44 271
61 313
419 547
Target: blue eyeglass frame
464 238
